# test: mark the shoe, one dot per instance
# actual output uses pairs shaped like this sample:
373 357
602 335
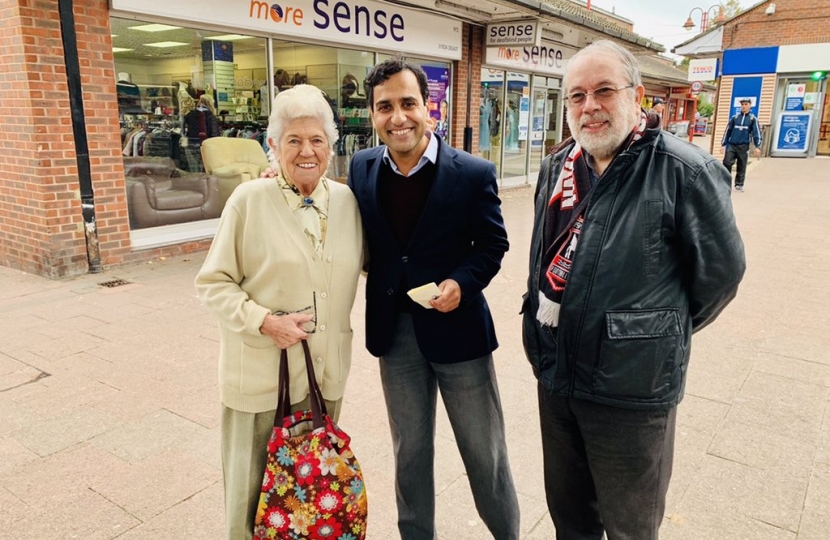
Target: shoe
739 188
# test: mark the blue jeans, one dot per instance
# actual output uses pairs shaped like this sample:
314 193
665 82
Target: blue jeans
607 469
471 398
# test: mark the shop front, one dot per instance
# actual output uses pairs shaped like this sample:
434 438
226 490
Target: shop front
170 58
802 115
521 110
787 87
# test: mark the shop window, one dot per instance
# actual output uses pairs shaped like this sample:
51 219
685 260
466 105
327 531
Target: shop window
178 87
340 74
490 115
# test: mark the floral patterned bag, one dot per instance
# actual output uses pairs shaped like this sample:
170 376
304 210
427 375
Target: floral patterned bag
313 486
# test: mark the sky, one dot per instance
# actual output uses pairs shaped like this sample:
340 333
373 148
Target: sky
662 20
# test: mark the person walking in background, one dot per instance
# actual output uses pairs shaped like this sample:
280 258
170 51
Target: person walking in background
283 268
658 106
741 128
432 215
608 319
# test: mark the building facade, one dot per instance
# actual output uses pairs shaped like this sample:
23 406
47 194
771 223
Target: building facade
777 54
98 90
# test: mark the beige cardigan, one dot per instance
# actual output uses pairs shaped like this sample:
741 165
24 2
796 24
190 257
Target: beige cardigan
261 262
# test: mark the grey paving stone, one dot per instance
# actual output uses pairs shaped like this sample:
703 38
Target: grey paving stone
780 405
148 488
151 435
196 517
13 454
63 431
724 488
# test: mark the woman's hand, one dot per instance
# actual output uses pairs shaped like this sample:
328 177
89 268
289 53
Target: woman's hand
268 173
285 330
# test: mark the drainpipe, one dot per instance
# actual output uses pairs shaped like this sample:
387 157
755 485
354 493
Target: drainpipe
76 105
468 129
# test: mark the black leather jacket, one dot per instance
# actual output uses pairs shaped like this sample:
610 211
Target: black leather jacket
659 257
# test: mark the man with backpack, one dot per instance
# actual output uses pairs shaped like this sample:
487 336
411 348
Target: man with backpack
741 128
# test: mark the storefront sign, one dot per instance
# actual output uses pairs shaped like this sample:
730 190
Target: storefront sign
793 134
363 24
513 33
547 59
703 70
795 97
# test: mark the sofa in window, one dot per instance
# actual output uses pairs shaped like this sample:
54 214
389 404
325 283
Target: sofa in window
233 161
158 193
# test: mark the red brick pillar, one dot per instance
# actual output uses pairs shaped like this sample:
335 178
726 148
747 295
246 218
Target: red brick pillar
41 224
461 74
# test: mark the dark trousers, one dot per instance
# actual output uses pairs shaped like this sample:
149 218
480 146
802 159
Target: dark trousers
607 469
738 152
471 398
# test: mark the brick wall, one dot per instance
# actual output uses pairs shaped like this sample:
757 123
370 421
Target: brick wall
794 22
37 170
41 224
461 76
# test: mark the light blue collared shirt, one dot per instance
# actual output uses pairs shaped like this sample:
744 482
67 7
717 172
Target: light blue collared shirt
430 156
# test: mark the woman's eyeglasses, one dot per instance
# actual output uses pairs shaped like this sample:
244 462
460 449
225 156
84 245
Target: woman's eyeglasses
311 326
602 95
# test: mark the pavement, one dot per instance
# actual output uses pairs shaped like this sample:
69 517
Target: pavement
109 406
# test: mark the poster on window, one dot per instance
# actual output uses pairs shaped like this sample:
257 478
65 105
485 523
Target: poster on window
793 134
438 81
795 97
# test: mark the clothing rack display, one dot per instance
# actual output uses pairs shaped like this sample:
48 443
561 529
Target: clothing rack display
246 130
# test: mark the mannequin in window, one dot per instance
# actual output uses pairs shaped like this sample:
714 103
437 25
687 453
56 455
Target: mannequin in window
484 112
495 120
200 124
350 91
512 115
281 80
129 96
186 101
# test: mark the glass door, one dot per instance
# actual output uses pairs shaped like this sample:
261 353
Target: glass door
537 130
823 148
553 127
802 121
489 116
515 123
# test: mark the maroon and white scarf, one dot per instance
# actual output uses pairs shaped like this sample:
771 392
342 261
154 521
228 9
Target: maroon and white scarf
563 224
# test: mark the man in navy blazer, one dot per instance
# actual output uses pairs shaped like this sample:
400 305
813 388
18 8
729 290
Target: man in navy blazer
432 214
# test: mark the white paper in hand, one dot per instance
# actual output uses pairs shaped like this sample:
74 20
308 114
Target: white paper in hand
424 294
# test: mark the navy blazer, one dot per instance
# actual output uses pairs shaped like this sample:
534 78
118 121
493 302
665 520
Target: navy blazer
460 235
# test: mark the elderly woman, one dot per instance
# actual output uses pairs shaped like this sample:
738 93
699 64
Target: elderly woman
283 268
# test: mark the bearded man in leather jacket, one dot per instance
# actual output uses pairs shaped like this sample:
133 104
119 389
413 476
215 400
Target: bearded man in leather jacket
634 248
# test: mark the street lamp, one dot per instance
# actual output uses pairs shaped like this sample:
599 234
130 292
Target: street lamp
704 17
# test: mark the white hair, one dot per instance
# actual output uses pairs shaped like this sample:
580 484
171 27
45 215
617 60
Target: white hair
628 62
301 101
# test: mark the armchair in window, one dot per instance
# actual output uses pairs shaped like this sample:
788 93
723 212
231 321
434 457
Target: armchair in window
233 161
160 194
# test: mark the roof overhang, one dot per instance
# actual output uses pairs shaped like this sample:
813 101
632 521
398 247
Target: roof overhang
707 44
